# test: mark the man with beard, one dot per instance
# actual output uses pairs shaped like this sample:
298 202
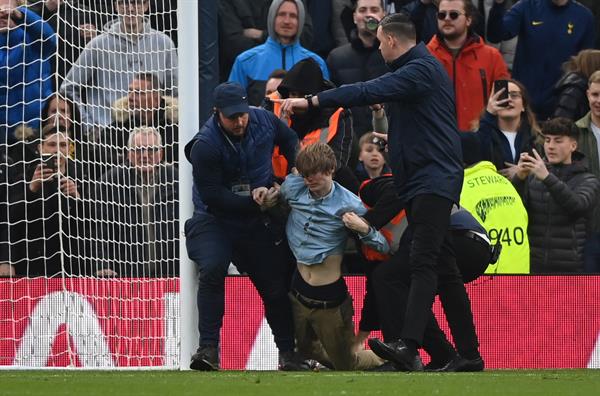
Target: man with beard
472 65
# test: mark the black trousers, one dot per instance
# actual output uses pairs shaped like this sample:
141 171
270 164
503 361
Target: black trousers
423 266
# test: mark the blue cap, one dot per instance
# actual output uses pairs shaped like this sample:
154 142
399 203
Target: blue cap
230 98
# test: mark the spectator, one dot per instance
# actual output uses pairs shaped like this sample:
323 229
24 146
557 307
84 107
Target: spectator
472 65
27 44
550 32
144 105
594 6
231 157
46 212
8 177
507 128
281 50
321 210
589 137
494 202
507 48
371 158
327 24
330 125
275 78
109 63
360 60
570 90
243 25
75 27
138 210
423 13
560 195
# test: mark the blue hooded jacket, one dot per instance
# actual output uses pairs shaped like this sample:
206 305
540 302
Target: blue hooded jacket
424 143
548 36
220 162
251 68
25 72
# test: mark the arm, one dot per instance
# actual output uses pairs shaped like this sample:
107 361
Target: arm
341 143
238 74
80 75
366 234
577 201
503 25
171 65
379 120
413 81
208 177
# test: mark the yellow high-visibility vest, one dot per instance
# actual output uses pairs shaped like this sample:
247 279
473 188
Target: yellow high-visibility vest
495 203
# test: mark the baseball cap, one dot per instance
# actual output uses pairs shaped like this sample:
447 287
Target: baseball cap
231 98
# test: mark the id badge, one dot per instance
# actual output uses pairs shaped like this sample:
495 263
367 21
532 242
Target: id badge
241 189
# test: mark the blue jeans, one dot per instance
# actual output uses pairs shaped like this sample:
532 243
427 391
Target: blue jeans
212 244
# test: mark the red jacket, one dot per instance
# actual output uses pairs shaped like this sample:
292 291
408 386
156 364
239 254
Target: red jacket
473 73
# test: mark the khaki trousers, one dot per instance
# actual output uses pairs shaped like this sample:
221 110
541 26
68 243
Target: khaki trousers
327 335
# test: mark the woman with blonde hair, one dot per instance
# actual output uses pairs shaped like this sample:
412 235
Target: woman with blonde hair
570 90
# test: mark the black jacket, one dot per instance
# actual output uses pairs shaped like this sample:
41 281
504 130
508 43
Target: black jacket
124 242
495 146
424 144
572 101
559 208
353 62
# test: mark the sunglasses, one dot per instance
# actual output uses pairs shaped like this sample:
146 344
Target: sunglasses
441 15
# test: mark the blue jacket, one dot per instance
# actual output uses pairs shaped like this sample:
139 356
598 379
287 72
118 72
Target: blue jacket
220 164
25 72
424 144
252 67
548 36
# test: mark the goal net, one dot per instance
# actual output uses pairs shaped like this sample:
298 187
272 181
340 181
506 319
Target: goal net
89 222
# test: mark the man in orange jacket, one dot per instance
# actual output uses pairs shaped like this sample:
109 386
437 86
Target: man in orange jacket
472 65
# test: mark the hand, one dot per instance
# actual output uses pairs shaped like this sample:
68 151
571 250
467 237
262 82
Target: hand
69 187
510 170
259 194
494 104
252 33
288 105
52 5
40 175
272 197
87 31
7 270
382 136
356 223
535 165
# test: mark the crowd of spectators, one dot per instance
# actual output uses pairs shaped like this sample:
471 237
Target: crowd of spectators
89 134
94 84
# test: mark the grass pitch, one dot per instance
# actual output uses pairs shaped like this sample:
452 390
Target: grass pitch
111 383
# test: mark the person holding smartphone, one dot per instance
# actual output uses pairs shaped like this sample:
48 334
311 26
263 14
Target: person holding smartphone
508 126
46 211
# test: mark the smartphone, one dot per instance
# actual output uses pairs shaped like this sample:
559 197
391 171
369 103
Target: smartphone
502 84
49 161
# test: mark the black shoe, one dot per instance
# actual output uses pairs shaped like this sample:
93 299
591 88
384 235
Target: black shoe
385 367
460 364
290 361
206 358
398 353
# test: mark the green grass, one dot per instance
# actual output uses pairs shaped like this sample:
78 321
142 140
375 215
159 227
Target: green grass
111 383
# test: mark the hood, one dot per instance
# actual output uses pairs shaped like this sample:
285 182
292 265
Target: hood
121 112
305 77
114 27
273 12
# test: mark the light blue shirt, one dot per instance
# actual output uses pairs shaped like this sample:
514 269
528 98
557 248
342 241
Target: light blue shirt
315 228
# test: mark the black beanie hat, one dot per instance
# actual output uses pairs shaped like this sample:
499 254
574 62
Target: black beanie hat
305 77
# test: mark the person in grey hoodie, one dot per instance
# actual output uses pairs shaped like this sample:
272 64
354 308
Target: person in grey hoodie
282 50
108 64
